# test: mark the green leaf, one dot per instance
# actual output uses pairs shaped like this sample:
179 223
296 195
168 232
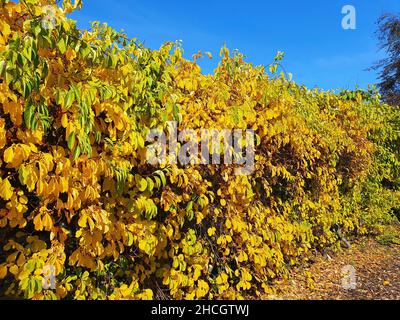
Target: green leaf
141 183
20 59
176 112
77 152
130 239
31 290
62 46
45 70
30 265
189 211
71 141
150 184
189 207
69 99
34 123
162 177
158 182
85 50
28 114
27 88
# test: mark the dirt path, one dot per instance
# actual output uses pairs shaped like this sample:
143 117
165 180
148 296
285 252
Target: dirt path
370 270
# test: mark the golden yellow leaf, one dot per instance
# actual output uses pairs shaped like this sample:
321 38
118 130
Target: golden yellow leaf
70 54
3 139
37 221
47 222
3 271
6 190
211 231
14 270
9 155
15 110
82 222
64 120
202 289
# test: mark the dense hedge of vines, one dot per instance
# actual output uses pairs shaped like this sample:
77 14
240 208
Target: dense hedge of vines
77 193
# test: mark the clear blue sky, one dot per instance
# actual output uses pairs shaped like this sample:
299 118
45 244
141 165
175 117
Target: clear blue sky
318 51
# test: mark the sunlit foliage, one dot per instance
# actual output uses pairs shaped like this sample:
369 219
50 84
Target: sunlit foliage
77 193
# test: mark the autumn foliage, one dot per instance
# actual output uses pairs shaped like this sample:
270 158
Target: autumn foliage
77 193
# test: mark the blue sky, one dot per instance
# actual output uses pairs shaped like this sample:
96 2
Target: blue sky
319 52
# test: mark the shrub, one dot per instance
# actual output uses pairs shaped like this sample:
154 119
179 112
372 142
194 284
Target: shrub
77 192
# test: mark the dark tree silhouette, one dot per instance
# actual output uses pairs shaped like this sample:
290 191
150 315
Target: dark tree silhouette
389 68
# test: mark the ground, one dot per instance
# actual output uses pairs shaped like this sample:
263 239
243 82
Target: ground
374 264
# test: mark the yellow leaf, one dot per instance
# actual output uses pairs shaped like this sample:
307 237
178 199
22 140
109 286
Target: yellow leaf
5 30
6 190
202 289
199 217
141 183
208 54
37 10
64 184
70 54
211 231
15 111
14 270
37 221
243 256
3 271
82 222
15 155
91 223
24 274
9 155
64 120
47 222
21 260
196 274
3 139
